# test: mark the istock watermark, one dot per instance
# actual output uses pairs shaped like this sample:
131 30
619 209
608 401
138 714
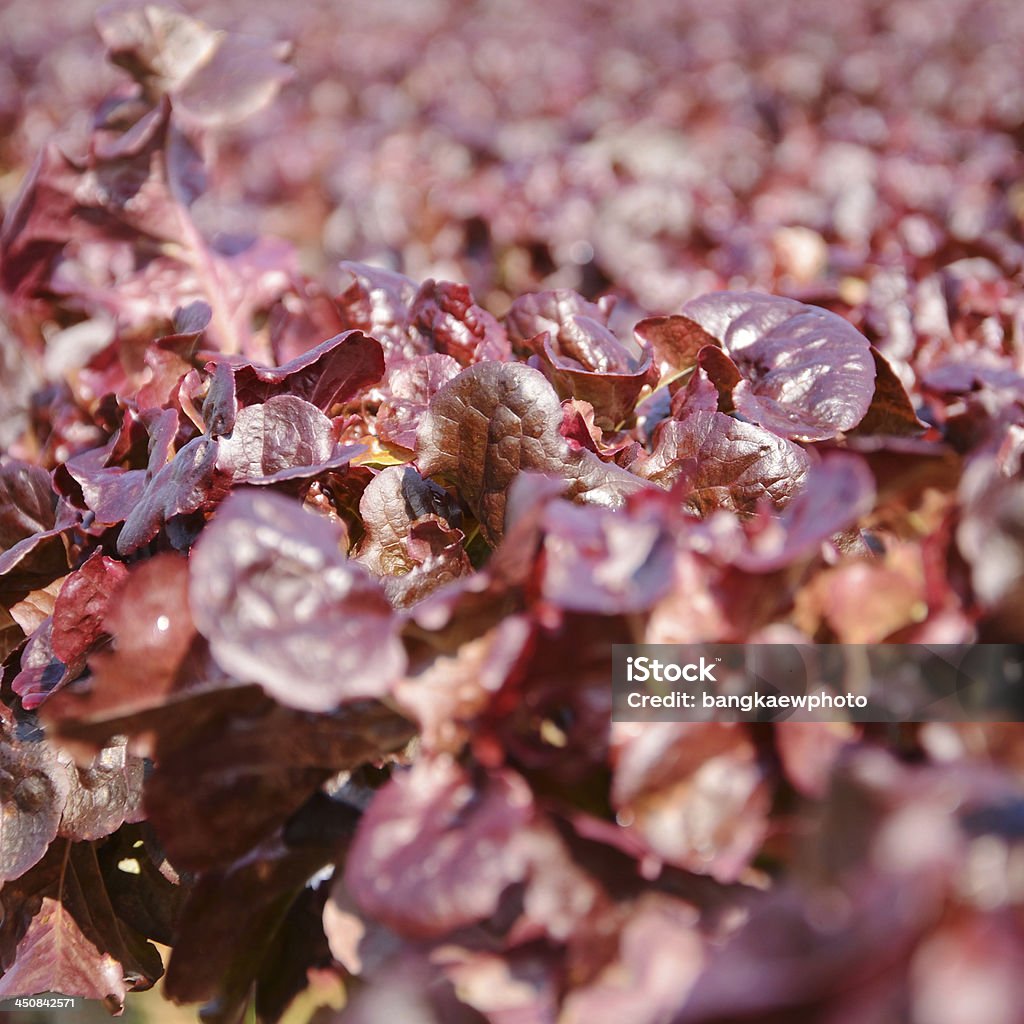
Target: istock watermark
643 670
817 682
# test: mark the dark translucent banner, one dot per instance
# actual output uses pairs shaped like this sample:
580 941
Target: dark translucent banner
818 683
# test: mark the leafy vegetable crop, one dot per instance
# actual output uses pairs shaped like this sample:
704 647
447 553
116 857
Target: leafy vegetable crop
308 588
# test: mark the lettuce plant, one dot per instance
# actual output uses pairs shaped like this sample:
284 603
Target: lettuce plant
308 593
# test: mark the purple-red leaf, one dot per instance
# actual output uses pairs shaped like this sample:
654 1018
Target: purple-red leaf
32 564
660 956
409 540
710 388
552 312
190 482
27 502
839 490
61 934
695 793
220 406
438 557
456 326
82 604
103 794
42 672
396 498
378 302
435 850
450 692
725 463
410 386
281 606
496 420
280 439
807 373
45 794
334 372
152 631
33 791
136 183
587 362
230 920
605 562
676 341
109 480
217 78
891 412
249 771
